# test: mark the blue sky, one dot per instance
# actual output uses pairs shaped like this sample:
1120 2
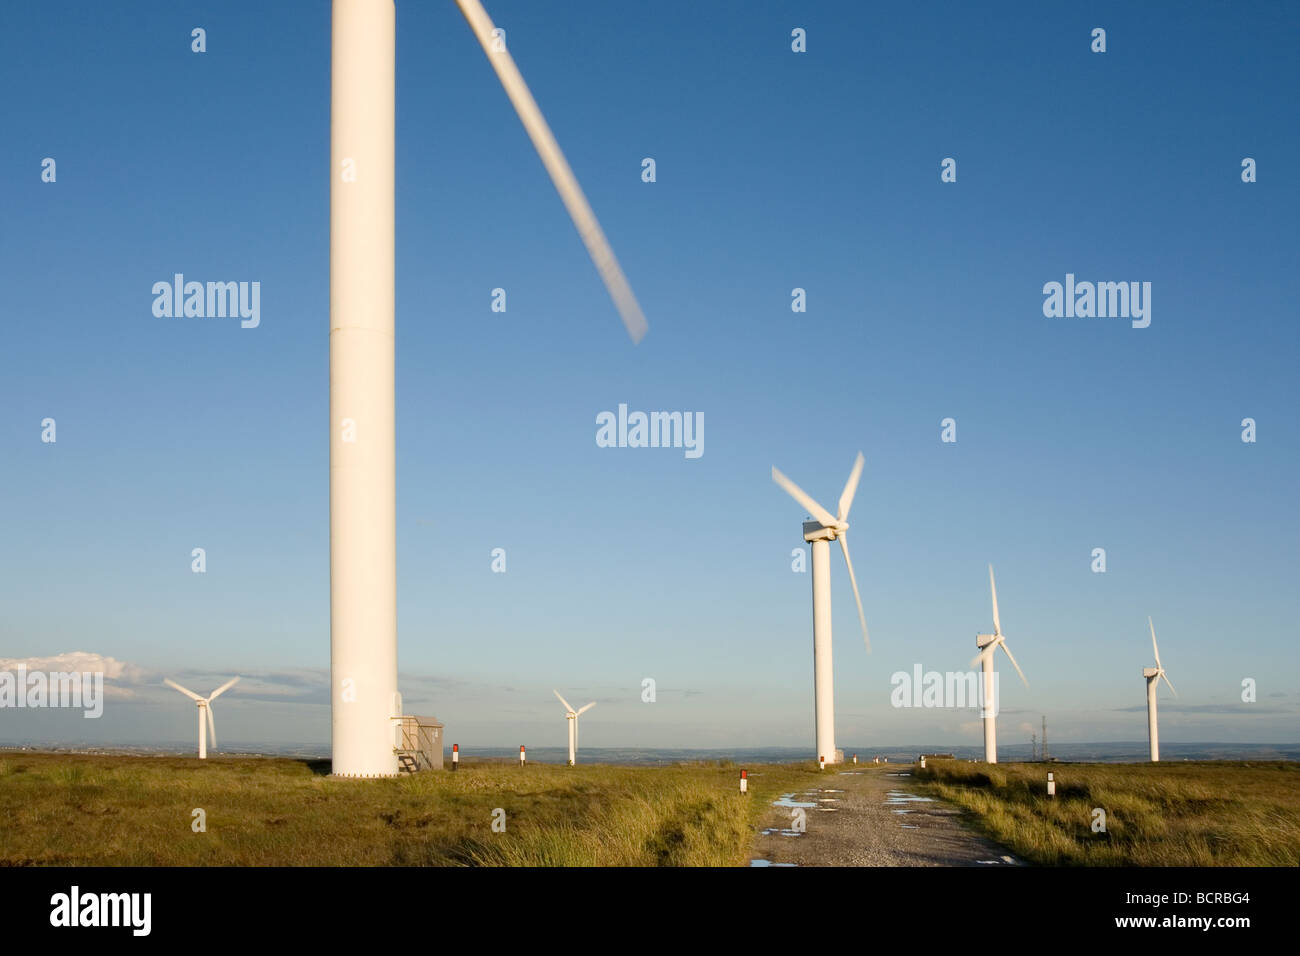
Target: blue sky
775 170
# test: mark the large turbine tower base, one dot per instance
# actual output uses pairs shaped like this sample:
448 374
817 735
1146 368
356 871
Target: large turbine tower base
363 552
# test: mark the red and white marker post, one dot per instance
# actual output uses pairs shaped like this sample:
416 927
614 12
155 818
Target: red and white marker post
821 763
522 756
455 756
744 781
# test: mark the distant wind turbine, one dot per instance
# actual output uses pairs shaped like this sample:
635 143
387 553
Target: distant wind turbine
988 645
1153 676
205 707
820 532
572 716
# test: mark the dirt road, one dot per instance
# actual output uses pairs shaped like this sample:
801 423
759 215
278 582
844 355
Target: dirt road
870 815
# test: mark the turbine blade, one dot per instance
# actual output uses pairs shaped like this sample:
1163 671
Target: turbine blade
801 496
223 688
978 658
862 618
212 728
188 693
1013 662
564 702
1168 681
850 488
582 710
1153 642
565 183
997 624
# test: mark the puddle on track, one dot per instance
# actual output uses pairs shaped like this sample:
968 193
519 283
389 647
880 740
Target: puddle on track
769 863
789 833
788 800
898 796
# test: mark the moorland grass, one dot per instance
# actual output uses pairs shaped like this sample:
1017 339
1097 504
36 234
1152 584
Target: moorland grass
75 809
1216 813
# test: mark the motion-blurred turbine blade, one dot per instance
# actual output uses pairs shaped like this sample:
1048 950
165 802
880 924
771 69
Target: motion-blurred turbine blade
862 618
223 688
850 488
583 710
188 693
1168 681
997 624
563 701
801 496
1153 641
984 652
565 183
1013 662
212 728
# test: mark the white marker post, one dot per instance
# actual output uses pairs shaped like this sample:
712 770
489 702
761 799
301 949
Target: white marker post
522 758
1051 786
744 782
922 761
855 759
821 763
455 756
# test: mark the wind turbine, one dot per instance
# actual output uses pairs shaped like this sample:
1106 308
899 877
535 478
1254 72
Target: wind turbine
572 716
820 533
1153 676
205 708
364 700
988 645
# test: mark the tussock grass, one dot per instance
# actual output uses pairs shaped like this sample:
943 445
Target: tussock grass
84 810
1169 814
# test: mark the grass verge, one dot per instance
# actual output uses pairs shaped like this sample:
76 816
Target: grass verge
90 810
1216 813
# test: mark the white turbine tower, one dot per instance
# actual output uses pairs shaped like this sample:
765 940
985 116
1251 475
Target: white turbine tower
820 533
205 709
988 645
572 716
1153 676
363 558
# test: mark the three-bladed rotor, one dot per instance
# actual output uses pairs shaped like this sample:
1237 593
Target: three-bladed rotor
205 703
998 639
837 525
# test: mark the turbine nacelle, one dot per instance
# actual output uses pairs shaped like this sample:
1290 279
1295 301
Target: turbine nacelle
816 531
